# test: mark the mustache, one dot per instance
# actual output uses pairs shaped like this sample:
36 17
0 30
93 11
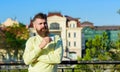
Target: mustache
44 29
43 32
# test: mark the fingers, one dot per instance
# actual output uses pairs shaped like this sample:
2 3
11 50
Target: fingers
47 39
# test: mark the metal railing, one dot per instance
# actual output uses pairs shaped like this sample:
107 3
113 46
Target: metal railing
68 66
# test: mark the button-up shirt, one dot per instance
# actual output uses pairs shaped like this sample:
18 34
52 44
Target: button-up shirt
46 59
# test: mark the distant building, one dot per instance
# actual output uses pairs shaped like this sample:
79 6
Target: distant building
75 34
87 24
70 31
9 22
88 32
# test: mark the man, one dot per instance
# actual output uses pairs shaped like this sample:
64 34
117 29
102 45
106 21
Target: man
44 51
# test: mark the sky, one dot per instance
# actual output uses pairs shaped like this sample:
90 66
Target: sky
99 12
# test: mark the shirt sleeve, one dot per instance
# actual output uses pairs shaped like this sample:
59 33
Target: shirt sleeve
31 52
55 56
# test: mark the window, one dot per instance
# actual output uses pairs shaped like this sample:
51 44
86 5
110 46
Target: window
74 43
69 35
74 35
68 43
73 25
54 26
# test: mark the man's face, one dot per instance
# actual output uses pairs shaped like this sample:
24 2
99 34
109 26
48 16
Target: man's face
41 26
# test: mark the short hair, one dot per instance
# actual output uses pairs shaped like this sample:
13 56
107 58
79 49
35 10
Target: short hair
40 15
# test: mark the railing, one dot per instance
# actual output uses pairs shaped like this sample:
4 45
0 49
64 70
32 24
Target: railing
69 66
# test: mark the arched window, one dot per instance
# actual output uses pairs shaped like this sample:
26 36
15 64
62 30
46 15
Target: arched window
54 26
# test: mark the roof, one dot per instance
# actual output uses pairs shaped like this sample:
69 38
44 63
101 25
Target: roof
55 13
75 19
87 22
107 27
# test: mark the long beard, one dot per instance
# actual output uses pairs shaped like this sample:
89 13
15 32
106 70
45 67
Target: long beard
44 32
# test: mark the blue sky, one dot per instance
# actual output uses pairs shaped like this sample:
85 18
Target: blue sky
99 12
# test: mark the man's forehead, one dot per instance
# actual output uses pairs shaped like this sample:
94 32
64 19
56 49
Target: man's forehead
40 20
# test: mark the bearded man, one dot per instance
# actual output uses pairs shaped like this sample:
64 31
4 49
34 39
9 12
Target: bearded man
44 51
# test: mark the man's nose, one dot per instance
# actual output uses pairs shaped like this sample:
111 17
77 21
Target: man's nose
43 25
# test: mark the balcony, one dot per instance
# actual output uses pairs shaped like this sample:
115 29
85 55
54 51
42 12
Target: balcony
69 66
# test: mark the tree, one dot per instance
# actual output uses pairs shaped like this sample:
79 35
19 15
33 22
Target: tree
118 42
15 38
115 50
97 48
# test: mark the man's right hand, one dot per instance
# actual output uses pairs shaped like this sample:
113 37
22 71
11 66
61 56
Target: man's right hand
45 41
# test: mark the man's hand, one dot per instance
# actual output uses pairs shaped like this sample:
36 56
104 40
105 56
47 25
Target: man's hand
45 41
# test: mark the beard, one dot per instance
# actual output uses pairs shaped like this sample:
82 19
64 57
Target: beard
43 32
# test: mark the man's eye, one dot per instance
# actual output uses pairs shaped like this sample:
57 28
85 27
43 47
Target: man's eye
40 23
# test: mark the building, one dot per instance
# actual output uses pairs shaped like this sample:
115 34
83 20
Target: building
9 22
70 31
75 34
91 32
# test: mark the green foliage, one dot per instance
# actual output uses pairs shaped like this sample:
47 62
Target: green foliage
88 56
100 48
115 50
15 38
97 48
83 68
118 42
15 70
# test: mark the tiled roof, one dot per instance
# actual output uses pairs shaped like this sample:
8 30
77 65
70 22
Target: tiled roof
75 19
55 13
